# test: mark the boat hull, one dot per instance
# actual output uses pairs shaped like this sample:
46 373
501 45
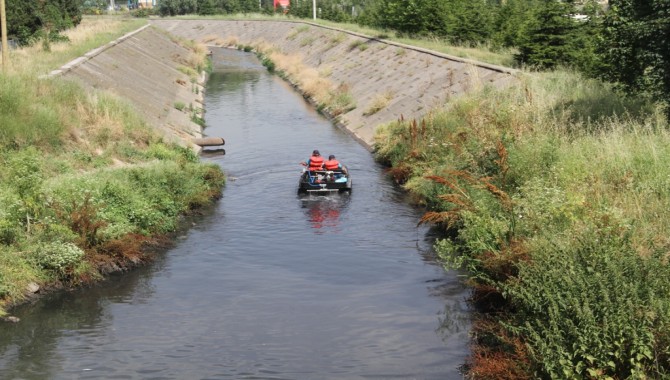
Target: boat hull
324 182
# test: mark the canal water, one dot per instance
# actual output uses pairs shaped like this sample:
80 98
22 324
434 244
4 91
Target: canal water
268 284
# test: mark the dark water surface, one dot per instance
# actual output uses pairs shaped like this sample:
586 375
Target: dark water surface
269 284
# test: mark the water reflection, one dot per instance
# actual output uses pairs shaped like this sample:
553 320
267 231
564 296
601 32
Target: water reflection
323 211
32 348
270 284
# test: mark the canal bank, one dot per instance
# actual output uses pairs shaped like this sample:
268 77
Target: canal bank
154 72
89 188
269 284
385 80
382 81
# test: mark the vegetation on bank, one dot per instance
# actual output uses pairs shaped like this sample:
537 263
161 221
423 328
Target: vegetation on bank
90 34
555 194
620 41
331 98
87 186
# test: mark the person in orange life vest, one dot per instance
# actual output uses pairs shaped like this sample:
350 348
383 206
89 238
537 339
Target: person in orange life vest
315 162
334 164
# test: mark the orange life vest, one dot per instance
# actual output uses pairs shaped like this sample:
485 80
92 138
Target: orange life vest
332 165
315 163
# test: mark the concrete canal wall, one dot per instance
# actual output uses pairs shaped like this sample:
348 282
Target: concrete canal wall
414 81
143 67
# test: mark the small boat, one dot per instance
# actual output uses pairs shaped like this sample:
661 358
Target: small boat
324 181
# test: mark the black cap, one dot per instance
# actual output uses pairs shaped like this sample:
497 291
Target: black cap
316 152
331 156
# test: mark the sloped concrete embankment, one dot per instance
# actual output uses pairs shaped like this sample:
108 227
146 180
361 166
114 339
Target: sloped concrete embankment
414 80
143 68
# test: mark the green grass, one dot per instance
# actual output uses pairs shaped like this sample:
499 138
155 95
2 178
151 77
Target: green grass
557 194
86 184
92 33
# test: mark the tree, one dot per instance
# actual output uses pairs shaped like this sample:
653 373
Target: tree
411 17
635 47
546 38
177 7
333 10
300 8
28 20
511 16
470 22
207 7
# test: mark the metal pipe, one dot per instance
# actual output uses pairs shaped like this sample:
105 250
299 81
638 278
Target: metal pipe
209 141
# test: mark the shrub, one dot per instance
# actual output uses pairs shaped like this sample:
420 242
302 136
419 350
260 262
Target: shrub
378 103
594 310
181 106
557 207
340 101
58 256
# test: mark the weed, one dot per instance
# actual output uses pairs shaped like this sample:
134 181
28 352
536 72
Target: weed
340 101
58 256
558 214
307 41
358 44
379 103
196 118
337 38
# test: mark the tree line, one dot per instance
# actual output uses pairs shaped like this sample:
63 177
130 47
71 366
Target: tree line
626 42
32 21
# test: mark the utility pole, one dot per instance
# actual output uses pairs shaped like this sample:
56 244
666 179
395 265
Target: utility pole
5 48
314 9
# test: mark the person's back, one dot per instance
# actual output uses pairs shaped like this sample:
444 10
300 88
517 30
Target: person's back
315 162
332 163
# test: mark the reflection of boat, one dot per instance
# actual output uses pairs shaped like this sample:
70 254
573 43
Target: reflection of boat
324 181
323 211
323 215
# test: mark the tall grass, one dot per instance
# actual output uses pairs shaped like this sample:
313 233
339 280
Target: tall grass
330 97
86 184
556 194
91 33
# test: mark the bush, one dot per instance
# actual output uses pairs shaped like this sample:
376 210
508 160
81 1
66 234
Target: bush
9 232
595 309
268 63
559 209
58 256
